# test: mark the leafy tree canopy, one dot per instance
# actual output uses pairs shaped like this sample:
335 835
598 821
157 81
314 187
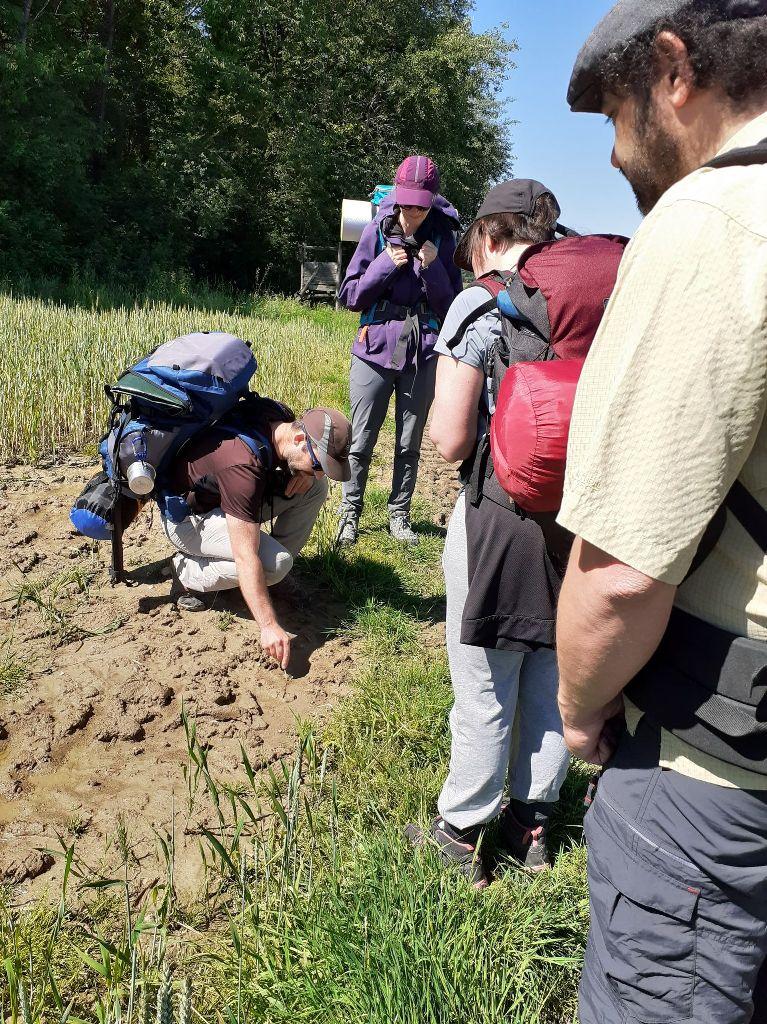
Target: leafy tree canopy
215 137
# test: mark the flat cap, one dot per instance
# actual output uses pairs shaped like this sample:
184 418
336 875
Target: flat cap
630 19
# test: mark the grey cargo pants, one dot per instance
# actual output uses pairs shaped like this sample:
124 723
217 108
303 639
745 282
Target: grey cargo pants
678 890
370 389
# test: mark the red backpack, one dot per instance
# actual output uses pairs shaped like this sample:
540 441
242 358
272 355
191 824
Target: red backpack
551 309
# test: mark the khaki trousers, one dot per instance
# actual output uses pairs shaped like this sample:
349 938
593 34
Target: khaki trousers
205 562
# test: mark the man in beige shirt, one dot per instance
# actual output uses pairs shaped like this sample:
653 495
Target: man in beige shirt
666 591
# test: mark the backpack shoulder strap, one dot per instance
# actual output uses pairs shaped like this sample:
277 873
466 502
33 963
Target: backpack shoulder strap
746 157
749 513
493 284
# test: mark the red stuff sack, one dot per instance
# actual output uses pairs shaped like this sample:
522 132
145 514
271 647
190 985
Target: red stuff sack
529 431
551 310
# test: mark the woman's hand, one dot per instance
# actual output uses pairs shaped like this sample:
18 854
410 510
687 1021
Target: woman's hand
397 254
428 254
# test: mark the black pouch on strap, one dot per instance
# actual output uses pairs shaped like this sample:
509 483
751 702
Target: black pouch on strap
708 687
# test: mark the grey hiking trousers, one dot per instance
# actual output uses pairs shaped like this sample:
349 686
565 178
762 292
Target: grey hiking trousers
678 893
370 389
505 721
205 562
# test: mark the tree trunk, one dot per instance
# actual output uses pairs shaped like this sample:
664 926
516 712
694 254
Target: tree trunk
24 27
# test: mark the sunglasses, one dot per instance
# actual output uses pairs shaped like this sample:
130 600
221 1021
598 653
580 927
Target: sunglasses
316 464
421 209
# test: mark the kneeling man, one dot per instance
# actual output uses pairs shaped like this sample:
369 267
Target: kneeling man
231 491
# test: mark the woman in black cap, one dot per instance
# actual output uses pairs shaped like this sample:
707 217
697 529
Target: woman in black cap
503 667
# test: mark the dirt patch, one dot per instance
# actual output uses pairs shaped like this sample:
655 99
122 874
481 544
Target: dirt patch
93 740
95 735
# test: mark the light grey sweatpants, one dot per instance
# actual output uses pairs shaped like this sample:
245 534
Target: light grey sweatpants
370 389
205 562
497 694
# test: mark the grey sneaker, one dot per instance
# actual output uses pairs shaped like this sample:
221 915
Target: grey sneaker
348 530
187 600
402 531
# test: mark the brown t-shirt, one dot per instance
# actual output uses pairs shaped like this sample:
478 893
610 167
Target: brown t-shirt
216 471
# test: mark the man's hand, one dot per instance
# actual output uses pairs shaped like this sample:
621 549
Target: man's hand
299 484
593 735
276 642
427 254
397 254
245 537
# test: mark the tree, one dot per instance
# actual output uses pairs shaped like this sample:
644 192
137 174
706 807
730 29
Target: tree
214 137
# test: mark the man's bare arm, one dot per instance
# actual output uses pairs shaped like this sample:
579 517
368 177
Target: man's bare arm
610 621
245 540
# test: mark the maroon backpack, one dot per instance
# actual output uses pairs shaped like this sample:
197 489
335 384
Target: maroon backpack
550 309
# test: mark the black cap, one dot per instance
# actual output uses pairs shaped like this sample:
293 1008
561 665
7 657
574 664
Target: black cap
518 195
630 19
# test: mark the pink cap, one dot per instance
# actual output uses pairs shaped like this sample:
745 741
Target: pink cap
416 182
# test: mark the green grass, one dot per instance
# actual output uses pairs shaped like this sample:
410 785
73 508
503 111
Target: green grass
314 907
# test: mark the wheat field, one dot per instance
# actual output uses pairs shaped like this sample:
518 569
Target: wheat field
55 360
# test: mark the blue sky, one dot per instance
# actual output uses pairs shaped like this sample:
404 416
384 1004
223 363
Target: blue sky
568 152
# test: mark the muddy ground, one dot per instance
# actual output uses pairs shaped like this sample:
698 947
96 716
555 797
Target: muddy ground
92 743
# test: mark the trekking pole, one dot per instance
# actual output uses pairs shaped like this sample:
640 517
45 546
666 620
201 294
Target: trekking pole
117 569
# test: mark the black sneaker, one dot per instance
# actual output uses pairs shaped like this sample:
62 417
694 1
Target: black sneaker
459 853
522 843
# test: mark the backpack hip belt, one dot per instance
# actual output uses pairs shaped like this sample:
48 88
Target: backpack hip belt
708 687
705 685
384 311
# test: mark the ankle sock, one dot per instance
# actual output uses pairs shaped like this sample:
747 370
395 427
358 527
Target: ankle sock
463 835
533 814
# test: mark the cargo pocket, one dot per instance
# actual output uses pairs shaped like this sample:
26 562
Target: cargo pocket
644 930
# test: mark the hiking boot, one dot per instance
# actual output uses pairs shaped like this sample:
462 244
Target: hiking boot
524 844
185 600
461 853
348 530
402 531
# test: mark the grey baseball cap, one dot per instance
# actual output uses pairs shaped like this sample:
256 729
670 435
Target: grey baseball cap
630 19
331 435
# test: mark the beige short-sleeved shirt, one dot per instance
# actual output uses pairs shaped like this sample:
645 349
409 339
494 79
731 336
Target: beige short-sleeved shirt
670 409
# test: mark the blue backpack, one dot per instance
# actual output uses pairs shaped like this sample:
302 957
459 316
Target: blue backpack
192 383
379 193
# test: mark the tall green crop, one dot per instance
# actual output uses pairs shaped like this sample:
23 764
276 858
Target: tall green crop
56 359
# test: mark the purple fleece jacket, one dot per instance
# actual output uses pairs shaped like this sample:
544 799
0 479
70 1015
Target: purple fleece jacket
371 278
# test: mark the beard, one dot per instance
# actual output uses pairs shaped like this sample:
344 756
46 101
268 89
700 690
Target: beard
656 164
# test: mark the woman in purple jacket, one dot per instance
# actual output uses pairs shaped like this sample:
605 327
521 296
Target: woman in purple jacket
402 280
